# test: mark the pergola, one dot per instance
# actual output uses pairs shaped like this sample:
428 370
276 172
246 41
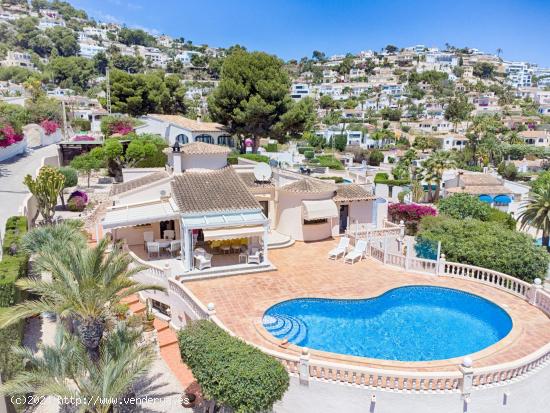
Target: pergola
222 226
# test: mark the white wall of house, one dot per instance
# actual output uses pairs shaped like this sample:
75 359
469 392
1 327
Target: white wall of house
359 212
145 194
290 217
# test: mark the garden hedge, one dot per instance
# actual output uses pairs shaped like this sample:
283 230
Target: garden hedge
302 149
255 157
230 371
383 178
14 262
484 244
13 265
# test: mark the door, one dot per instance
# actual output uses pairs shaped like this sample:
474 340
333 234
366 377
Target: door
265 208
164 225
344 213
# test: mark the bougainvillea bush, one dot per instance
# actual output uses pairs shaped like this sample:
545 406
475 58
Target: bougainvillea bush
76 204
80 194
411 214
118 125
9 136
80 138
49 126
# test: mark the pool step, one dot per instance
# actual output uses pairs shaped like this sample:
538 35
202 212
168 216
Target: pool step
286 327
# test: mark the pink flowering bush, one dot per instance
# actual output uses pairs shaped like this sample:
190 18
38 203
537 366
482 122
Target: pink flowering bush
49 126
121 127
411 214
81 138
8 136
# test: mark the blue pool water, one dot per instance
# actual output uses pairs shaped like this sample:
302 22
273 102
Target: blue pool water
415 323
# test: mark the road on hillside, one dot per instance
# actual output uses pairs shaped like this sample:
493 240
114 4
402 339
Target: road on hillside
12 172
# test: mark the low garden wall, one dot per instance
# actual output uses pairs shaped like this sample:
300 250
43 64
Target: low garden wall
13 150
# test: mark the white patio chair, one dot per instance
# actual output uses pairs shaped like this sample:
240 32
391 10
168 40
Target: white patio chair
153 248
175 247
169 234
148 236
357 253
340 250
203 260
255 257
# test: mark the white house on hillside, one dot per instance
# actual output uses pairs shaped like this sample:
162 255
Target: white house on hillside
175 128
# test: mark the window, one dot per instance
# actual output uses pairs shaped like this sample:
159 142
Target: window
181 138
225 140
204 138
160 307
315 221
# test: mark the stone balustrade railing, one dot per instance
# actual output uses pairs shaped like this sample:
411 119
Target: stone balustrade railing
306 368
157 272
483 275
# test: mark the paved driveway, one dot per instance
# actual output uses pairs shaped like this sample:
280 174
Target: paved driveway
12 172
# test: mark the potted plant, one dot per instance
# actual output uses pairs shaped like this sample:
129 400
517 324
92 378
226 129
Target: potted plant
121 310
192 395
148 320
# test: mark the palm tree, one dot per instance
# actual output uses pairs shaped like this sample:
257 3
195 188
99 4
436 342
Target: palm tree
435 166
86 284
65 370
499 51
536 213
54 236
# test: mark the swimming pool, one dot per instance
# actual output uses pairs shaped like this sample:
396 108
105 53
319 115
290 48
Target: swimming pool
412 323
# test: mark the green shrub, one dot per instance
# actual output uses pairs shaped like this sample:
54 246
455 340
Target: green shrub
315 161
302 149
376 157
336 179
13 265
230 371
10 363
462 206
14 262
255 157
330 162
309 155
485 244
233 159
83 125
271 147
384 178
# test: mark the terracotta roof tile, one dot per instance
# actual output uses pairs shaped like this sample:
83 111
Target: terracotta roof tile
252 184
122 187
309 185
201 148
352 192
190 124
209 190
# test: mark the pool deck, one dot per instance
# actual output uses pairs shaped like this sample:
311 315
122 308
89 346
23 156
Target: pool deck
304 270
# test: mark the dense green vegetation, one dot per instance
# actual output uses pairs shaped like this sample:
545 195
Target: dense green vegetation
485 244
462 206
231 372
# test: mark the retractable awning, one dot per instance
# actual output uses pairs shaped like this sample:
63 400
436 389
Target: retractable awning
232 233
131 215
319 209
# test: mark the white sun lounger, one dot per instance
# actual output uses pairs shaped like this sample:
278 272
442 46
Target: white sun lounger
340 250
357 253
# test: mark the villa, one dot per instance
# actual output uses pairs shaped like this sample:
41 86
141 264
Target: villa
184 130
209 217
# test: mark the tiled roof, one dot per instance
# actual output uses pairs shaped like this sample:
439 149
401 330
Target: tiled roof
252 184
210 190
352 192
122 187
190 124
309 185
480 190
478 179
201 148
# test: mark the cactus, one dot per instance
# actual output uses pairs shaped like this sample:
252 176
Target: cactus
46 188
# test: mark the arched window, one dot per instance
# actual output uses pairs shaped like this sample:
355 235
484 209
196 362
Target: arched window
204 138
226 140
181 138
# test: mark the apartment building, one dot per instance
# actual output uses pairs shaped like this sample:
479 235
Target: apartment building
89 48
518 73
299 91
18 59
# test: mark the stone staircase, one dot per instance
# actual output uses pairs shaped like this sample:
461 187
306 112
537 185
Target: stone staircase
167 342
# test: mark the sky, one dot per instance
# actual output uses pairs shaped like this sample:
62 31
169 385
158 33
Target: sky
293 29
